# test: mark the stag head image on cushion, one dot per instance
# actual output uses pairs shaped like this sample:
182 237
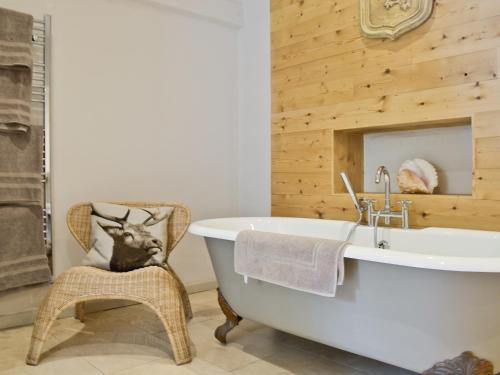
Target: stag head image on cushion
126 238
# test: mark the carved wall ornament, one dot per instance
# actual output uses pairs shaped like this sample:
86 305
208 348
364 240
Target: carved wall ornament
392 18
403 4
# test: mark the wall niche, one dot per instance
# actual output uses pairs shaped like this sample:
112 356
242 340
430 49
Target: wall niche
447 145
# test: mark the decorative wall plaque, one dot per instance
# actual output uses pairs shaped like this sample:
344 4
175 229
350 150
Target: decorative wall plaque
392 18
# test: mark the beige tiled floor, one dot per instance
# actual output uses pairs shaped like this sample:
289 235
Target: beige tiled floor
131 341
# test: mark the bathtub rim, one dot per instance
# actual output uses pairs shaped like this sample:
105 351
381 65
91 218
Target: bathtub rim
206 228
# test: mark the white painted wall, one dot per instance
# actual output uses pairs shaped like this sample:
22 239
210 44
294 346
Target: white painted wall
254 139
144 108
155 100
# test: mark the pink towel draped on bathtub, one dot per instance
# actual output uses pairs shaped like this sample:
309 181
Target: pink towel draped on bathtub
312 265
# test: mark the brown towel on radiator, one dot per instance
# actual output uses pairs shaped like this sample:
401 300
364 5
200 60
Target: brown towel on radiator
23 260
21 167
15 70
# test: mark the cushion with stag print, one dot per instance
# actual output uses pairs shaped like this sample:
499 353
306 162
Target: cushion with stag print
125 238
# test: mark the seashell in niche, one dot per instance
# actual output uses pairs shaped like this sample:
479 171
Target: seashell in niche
417 176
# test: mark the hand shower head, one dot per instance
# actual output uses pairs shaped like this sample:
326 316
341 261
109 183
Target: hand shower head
350 190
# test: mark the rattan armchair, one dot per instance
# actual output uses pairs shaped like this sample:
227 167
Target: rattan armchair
159 288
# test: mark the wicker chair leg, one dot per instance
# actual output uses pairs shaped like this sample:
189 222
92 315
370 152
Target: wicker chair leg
175 325
185 301
80 311
46 315
179 339
183 292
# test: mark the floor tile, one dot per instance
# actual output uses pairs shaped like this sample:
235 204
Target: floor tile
111 363
228 358
204 311
261 368
132 340
202 367
301 362
316 348
11 361
158 367
250 325
14 345
73 366
378 368
14 371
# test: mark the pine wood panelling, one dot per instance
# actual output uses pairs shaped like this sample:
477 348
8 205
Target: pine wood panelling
486 183
487 152
446 210
302 152
301 163
461 39
330 85
298 12
314 95
452 21
306 183
486 135
426 105
451 71
371 55
489 8
486 124
347 156
344 13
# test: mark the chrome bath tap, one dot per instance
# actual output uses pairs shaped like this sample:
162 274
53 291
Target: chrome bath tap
368 205
386 212
387 191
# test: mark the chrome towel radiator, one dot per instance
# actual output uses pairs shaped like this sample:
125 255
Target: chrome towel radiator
41 112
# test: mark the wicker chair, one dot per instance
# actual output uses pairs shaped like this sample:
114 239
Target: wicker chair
160 289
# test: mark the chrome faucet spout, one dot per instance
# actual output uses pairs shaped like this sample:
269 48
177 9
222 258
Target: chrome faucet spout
382 170
372 214
368 205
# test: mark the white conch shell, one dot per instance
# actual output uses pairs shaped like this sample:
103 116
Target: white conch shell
417 176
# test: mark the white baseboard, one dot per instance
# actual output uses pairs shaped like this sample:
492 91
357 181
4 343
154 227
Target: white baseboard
201 287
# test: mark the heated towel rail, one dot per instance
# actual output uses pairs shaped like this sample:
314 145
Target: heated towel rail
41 112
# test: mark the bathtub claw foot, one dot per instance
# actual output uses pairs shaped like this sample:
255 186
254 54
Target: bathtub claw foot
466 364
232 319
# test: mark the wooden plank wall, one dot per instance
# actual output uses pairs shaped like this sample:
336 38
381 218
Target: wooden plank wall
329 84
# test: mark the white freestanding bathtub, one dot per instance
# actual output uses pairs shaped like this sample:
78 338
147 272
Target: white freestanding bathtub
434 294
